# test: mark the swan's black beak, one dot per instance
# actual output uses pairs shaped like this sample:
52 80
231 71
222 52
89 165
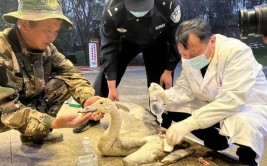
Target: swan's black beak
88 109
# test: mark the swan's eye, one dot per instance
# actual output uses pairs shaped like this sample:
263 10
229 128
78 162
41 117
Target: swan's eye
101 102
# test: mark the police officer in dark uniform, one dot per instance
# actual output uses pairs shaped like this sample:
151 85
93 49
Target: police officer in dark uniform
131 27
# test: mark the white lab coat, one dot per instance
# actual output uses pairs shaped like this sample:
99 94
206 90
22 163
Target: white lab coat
233 92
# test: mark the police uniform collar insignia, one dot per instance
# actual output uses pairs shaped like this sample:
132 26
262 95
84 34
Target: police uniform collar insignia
176 14
121 30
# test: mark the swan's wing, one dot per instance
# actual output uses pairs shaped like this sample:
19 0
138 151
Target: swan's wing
138 112
176 155
150 152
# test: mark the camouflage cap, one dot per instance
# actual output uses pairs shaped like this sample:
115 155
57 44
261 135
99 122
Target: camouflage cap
36 10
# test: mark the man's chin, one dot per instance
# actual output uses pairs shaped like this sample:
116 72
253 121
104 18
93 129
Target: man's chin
44 46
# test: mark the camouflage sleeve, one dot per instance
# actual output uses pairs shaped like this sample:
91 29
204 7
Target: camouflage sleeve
63 69
13 114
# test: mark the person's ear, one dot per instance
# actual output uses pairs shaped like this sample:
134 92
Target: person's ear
213 40
23 25
265 39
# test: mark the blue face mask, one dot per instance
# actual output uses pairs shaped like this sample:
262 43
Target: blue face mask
199 61
139 14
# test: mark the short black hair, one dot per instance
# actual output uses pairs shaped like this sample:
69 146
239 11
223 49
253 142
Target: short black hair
197 26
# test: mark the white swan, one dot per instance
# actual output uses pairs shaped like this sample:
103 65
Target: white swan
135 136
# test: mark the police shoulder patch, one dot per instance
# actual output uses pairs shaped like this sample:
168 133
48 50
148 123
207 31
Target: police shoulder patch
115 9
176 14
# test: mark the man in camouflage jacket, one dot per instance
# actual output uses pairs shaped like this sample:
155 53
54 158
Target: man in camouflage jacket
36 79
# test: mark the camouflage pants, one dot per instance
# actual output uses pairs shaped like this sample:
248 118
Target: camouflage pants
52 98
49 101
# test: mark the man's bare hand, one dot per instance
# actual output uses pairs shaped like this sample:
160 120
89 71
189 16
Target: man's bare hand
95 115
166 79
70 121
90 101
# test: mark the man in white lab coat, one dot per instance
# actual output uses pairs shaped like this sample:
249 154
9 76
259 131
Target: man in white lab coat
220 96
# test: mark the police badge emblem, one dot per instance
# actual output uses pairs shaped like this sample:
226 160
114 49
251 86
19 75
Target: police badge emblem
176 14
121 30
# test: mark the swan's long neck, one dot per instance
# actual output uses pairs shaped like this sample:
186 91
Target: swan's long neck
115 124
111 134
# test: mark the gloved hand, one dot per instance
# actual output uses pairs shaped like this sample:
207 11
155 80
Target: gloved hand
179 130
155 92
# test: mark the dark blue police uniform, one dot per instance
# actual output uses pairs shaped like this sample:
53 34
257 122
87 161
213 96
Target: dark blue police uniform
124 36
